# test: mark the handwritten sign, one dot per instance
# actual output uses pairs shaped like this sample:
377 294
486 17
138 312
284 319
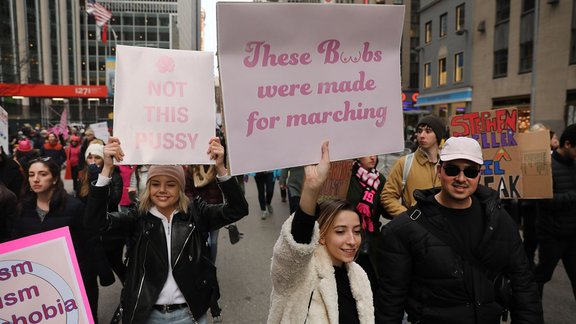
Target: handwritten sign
336 186
306 73
517 165
101 131
164 107
41 281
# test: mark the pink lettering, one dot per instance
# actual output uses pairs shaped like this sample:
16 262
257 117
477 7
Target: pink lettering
166 114
260 54
260 123
283 90
168 88
162 140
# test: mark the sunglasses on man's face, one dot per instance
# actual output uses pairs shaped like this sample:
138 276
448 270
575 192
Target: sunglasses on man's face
452 171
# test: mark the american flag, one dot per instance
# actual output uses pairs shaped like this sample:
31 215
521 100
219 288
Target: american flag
101 14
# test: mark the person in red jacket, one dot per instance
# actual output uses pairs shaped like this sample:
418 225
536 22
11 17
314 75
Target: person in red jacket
53 149
72 161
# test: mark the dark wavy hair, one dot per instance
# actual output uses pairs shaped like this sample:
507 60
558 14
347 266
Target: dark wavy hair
59 194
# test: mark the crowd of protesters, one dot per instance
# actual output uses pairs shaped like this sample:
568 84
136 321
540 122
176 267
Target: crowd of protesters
450 254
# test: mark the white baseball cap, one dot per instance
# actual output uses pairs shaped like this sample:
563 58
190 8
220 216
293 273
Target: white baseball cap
465 148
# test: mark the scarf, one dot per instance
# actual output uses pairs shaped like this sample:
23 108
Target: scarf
202 175
370 181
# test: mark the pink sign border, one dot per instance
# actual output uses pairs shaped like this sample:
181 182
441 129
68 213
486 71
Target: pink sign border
44 237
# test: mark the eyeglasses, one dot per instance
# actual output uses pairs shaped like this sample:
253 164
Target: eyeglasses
452 171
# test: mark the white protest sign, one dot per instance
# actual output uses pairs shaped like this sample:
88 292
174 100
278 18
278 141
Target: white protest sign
4 129
164 107
101 131
294 75
41 281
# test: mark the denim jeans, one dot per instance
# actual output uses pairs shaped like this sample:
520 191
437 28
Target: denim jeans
179 316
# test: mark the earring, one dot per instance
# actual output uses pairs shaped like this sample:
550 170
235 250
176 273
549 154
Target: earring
54 182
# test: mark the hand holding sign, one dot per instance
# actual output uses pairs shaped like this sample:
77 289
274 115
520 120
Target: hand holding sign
216 153
314 178
112 151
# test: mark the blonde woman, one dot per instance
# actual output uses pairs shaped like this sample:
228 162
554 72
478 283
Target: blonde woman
170 277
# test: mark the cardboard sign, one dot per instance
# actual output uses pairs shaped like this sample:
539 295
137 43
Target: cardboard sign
41 281
517 165
101 131
4 130
305 73
336 186
164 107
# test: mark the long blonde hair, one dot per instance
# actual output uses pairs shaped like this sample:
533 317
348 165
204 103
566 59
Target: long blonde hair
146 200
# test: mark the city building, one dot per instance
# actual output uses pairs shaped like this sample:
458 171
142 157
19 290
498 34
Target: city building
445 56
514 54
53 56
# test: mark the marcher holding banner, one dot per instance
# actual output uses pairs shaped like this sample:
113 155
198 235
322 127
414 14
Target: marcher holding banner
164 287
47 206
314 276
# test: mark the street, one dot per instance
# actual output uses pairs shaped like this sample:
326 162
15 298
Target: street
244 272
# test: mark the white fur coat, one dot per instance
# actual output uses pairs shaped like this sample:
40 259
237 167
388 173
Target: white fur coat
300 269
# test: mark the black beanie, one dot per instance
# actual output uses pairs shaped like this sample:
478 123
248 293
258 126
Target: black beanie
436 124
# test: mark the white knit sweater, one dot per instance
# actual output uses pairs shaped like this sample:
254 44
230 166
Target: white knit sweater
297 270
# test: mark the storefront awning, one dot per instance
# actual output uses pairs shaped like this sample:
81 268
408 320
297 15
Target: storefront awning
456 95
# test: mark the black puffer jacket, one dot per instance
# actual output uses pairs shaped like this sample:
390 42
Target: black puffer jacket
148 265
421 274
558 219
67 212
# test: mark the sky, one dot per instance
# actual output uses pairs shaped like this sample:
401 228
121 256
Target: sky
210 40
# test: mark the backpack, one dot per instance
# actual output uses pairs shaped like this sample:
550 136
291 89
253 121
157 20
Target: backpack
406 169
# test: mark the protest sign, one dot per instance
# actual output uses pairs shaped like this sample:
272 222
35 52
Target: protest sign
338 181
517 165
4 129
306 73
41 281
101 131
164 107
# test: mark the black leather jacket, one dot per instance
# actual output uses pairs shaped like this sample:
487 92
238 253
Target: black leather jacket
421 274
148 265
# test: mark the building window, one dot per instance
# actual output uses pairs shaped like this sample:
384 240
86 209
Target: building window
427 76
442 71
526 36
428 32
458 67
460 17
502 10
443 25
500 68
573 36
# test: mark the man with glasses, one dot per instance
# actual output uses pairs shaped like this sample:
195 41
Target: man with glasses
416 170
438 261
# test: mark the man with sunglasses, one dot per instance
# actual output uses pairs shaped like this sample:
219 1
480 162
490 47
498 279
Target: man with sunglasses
438 260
